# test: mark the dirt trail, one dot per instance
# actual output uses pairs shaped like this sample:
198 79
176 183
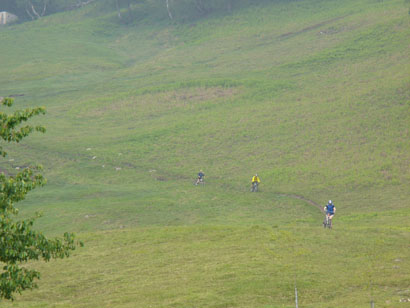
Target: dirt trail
304 199
313 27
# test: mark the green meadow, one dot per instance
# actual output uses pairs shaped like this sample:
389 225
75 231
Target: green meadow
312 95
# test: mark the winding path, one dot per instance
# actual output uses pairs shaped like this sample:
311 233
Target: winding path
304 199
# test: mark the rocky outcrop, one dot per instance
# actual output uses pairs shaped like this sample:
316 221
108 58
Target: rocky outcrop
7 18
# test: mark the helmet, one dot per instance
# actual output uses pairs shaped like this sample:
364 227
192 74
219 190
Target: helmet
330 201
256 174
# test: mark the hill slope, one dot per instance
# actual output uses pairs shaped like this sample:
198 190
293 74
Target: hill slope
313 95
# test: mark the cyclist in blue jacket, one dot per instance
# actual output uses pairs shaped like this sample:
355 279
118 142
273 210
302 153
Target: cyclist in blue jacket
330 209
200 178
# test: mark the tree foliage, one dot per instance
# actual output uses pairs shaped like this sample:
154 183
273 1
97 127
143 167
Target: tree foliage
19 242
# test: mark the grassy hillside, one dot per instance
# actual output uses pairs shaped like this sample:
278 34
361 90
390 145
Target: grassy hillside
312 95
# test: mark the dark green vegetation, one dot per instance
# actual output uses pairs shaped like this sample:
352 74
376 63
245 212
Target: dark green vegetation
18 241
312 95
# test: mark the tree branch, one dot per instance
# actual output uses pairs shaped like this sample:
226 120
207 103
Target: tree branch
34 10
200 7
44 8
28 13
118 9
168 9
80 3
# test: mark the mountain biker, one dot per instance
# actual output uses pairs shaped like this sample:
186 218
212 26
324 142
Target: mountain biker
330 209
255 182
200 178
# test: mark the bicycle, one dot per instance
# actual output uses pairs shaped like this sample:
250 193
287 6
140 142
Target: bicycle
327 223
254 187
199 181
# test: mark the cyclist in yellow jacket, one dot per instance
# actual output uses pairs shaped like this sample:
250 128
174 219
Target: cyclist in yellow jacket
255 183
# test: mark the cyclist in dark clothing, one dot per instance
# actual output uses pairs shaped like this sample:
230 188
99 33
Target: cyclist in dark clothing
330 209
200 178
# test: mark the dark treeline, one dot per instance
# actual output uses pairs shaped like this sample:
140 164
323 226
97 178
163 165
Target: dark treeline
126 9
34 9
